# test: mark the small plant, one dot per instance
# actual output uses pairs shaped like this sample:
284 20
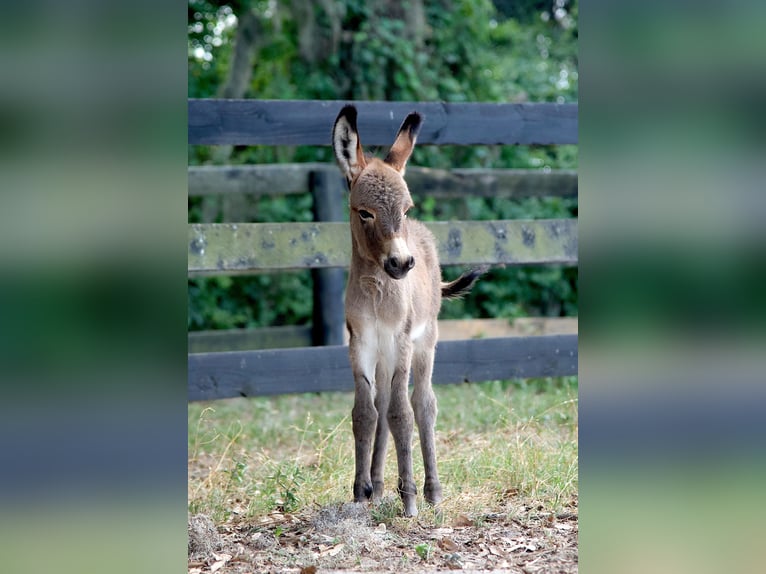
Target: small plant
386 510
286 483
425 551
237 473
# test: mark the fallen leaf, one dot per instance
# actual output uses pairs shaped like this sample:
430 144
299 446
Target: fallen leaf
336 550
496 551
221 560
222 557
562 526
381 528
309 570
448 545
462 521
195 570
333 551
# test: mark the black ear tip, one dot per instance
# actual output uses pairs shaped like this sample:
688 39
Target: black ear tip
348 112
413 122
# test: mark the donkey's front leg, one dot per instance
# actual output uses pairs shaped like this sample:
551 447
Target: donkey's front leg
364 418
400 419
364 415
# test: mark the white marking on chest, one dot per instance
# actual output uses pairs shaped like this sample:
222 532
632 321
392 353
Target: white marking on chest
378 352
417 332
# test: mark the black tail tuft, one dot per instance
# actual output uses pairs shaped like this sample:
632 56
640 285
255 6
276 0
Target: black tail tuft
463 284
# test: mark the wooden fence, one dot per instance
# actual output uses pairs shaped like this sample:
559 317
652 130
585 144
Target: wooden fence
324 245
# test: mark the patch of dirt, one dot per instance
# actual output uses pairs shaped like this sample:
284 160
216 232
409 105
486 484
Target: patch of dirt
345 538
204 538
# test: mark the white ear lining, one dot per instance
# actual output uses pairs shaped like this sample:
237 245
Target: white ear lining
344 143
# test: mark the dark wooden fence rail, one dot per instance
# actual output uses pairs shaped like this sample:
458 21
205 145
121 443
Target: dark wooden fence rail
315 369
323 246
285 122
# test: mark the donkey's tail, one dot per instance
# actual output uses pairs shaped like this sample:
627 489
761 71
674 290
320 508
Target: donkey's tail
463 284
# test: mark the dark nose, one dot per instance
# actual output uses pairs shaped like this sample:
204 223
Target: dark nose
397 268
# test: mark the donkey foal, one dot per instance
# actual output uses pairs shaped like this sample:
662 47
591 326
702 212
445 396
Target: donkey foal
393 297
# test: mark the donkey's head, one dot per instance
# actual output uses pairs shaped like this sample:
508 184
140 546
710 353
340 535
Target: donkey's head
379 196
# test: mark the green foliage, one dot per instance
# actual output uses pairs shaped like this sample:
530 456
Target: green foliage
424 550
247 302
460 50
285 482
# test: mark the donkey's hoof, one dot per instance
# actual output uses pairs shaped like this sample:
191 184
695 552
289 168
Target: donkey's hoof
408 493
410 508
377 489
362 491
432 492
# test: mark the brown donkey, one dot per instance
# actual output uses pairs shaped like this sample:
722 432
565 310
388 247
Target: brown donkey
393 297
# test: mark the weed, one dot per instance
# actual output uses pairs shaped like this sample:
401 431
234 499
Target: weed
425 551
237 473
386 510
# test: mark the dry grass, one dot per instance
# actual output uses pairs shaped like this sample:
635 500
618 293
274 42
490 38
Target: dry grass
507 452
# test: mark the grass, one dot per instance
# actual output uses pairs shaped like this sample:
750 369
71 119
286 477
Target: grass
507 446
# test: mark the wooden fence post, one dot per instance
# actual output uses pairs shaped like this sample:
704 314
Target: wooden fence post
329 191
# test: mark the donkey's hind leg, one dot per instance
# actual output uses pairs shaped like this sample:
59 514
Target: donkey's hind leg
424 407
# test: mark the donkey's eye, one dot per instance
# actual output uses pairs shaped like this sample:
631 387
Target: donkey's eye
364 214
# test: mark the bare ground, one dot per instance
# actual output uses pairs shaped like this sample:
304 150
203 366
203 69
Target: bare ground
347 538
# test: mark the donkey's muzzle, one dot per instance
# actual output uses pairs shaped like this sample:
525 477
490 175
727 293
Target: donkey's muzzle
397 267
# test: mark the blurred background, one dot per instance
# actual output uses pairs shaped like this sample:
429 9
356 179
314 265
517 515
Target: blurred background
672 306
450 50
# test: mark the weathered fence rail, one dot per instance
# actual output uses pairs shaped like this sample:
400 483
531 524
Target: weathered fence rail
287 179
324 245
286 122
317 369
225 248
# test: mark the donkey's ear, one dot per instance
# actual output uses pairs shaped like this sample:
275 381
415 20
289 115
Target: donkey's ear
405 142
346 144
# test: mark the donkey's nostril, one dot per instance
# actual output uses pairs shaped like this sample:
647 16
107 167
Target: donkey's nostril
398 268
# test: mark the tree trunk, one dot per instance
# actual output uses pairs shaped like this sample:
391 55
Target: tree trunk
241 69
